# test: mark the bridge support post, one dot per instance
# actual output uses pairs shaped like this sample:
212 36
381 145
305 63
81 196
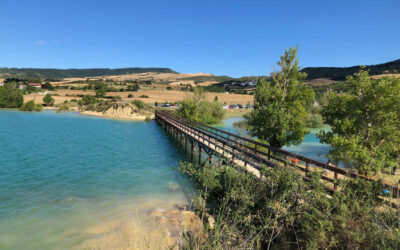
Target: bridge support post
192 149
335 185
200 149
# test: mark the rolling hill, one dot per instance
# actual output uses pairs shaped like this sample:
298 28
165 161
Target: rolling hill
340 73
24 73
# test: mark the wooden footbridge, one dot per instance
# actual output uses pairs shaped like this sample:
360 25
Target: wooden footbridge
220 147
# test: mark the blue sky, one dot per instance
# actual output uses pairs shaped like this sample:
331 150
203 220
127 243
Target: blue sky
223 37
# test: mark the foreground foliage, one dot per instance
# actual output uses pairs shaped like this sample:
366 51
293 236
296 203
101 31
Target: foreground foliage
284 212
365 123
196 108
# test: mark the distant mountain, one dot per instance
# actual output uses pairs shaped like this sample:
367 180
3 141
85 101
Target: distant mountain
339 74
65 73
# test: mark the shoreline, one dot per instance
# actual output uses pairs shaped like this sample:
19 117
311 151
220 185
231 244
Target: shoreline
91 113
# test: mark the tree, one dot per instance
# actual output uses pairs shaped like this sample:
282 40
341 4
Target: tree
48 86
365 123
196 108
48 100
10 96
101 92
88 100
280 113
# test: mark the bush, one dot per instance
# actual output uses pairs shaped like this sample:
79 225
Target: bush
169 88
28 106
38 107
144 96
138 103
130 96
62 107
133 87
284 212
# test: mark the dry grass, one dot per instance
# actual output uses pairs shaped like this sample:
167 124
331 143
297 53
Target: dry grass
155 95
387 75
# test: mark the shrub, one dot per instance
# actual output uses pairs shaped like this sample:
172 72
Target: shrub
38 107
169 88
130 96
28 106
144 96
285 212
138 103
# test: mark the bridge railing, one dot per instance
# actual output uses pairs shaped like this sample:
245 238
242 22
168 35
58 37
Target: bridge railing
261 152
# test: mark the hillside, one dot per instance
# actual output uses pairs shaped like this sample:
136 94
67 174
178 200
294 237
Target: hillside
340 73
70 73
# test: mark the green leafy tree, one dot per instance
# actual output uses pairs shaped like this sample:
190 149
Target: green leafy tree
48 100
48 86
280 113
101 92
88 100
365 123
196 108
10 96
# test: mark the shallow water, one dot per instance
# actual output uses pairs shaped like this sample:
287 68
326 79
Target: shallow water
67 179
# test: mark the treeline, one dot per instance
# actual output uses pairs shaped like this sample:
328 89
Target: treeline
12 97
339 74
43 73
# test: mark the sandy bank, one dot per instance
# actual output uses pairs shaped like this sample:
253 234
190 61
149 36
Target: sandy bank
132 117
122 112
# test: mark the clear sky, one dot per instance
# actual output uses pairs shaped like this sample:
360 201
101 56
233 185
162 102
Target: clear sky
223 37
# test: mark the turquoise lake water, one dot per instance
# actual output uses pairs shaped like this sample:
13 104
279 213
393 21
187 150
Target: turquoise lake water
61 175
73 182
310 147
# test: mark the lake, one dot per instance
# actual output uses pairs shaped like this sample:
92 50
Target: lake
69 181
310 147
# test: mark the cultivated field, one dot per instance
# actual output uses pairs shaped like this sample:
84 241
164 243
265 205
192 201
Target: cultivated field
153 96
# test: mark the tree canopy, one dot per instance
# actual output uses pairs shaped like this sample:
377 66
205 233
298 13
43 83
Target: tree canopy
196 108
10 96
365 123
48 100
280 115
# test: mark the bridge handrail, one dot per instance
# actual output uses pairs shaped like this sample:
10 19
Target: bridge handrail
238 138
